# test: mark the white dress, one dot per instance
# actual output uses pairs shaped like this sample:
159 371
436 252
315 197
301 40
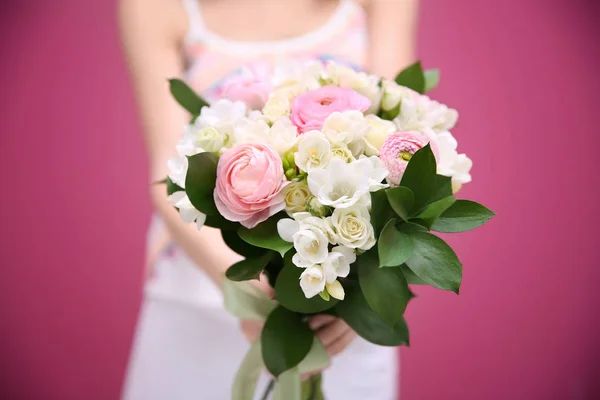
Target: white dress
187 347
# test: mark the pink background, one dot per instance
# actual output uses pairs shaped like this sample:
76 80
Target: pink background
524 75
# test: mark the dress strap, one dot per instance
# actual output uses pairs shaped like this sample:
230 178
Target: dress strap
197 28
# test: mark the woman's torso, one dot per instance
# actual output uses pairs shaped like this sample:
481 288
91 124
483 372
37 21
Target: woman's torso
211 58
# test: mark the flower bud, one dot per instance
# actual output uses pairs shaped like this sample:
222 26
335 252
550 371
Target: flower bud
317 209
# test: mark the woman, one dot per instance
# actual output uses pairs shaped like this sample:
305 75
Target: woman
187 346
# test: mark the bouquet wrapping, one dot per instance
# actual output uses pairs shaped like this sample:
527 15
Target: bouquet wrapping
330 182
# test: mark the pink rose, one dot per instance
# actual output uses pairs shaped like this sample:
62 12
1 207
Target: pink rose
249 181
397 151
310 109
251 86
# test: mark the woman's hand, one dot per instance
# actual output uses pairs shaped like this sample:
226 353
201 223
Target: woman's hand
334 333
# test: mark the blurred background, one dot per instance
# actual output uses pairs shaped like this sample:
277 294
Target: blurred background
74 206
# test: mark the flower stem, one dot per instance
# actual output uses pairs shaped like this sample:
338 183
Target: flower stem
268 390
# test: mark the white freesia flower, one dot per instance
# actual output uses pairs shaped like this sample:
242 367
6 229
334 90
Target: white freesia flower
276 107
281 136
375 171
337 264
335 290
308 235
379 130
393 94
296 194
187 211
361 82
345 127
178 165
351 227
314 151
341 184
312 281
450 163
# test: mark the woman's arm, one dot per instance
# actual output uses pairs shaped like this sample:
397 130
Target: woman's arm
152 33
392 35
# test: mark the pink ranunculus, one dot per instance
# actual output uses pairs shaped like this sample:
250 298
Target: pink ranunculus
251 86
397 150
249 182
310 109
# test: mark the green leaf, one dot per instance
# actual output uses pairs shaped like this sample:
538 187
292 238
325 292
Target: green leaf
394 247
312 388
462 216
217 221
433 210
412 77
420 177
285 340
367 323
246 378
245 301
235 243
435 262
289 293
381 211
401 200
172 187
384 289
200 182
411 227
265 235
410 276
186 97
250 268
432 78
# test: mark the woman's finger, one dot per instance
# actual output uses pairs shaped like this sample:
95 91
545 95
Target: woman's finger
341 344
332 331
318 321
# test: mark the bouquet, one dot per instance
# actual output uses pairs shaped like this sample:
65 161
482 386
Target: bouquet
330 182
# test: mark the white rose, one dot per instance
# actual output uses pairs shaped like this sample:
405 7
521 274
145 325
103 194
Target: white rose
379 130
342 152
290 72
308 235
223 115
210 138
419 113
296 194
365 84
314 151
393 94
450 163
187 211
340 184
312 281
281 136
345 127
275 107
351 227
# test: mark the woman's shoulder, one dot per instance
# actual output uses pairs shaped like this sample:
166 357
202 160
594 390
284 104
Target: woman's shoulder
167 18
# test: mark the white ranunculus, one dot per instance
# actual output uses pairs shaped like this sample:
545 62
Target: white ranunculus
222 115
276 107
187 211
450 163
361 82
419 113
379 130
308 235
314 151
345 127
295 195
340 184
312 281
281 136
337 264
351 227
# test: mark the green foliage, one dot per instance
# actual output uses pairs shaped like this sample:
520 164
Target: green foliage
200 182
462 216
186 97
401 200
381 212
265 235
385 289
395 247
433 210
286 339
435 262
415 78
432 79
367 323
235 243
289 293
249 268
